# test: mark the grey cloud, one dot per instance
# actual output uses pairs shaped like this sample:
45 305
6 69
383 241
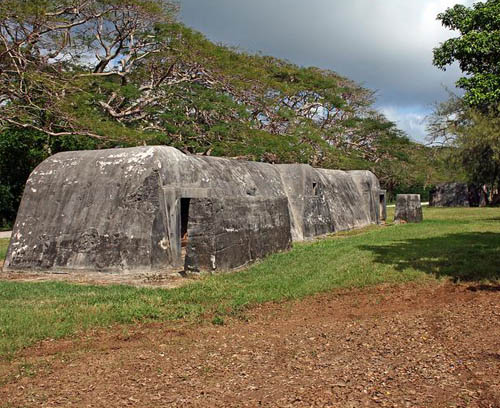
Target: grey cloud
384 44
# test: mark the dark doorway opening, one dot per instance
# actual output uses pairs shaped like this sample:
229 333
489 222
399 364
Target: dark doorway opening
315 189
383 213
184 227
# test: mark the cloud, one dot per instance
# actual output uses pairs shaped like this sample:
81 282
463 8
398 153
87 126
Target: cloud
411 120
386 45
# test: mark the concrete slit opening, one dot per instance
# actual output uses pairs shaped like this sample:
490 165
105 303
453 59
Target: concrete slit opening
315 189
383 207
184 227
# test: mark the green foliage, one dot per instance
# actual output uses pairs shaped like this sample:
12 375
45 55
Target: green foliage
478 145
60 62
470 125
471 138
451 243
477 50
218 320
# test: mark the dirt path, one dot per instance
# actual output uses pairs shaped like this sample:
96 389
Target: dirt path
410 346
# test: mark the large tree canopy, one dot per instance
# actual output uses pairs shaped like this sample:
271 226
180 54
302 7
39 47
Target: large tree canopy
470 125
476 49
61 59
124 70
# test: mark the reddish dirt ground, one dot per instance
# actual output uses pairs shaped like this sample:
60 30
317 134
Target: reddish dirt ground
168 280
432 345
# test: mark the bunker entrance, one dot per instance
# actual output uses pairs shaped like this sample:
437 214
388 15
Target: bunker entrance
382 207
184 228
315 189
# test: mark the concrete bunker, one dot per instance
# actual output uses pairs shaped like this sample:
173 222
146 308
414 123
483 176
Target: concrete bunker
155 208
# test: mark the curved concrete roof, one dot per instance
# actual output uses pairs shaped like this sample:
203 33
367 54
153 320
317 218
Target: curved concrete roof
127 196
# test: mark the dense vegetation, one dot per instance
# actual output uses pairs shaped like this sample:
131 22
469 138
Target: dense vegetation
471 124
476 49
79 74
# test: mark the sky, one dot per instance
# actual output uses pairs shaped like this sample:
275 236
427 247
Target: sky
385 45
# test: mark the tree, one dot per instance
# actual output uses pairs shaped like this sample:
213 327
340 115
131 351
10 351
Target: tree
471 140
476 49
470 125
125 71
479 148
59 60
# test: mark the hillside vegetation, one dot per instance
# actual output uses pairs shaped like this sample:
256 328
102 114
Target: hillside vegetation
155 81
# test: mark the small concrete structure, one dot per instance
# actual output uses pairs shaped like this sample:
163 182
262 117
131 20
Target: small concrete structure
154 208
408 208
450 195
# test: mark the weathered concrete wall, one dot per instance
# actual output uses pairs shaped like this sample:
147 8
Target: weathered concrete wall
408 208
350 199
120 209
449 195
228 233
305 191
95 209
369 187
455 195
222 176
324 201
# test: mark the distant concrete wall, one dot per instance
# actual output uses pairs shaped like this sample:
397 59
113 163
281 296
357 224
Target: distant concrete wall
119 209
228 233
454 195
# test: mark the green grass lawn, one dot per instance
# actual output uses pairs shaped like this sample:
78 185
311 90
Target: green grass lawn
461 244
4 243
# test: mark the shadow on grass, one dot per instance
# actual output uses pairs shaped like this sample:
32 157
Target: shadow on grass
463 257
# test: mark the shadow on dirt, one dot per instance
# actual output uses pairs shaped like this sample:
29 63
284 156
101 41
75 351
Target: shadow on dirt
462 257
484 288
